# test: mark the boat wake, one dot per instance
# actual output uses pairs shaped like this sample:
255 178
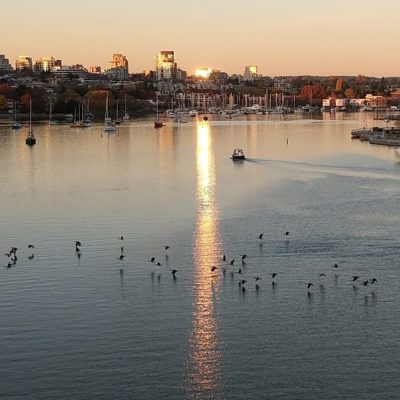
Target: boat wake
374 173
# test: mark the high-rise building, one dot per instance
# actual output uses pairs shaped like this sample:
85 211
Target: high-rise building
165 65
47 64
119 68
5 65
250 72
119 60
23 62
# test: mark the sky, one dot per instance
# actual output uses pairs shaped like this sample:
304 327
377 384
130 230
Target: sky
281 37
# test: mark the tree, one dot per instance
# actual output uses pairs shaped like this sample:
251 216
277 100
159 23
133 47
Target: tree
350 93
339 86
3 102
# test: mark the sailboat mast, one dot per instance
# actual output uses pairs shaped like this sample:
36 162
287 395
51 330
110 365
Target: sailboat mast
30 117
50 111
106 113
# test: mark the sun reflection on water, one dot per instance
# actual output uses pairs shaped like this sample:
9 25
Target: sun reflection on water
204 376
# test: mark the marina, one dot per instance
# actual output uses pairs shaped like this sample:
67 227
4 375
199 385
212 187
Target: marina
384 136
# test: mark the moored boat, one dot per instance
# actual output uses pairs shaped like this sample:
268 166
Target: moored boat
157 122
30 140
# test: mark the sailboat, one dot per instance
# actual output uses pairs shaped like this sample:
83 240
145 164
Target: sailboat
51 122
117 120
157 122
126 117
15 125
108 126
30 140
75 124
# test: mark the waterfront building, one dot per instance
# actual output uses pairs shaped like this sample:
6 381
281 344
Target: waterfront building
46 64
375 101
329 102
23 62
5 65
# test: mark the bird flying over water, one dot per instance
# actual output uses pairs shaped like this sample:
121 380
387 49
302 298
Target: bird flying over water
152 259
257 278
232 261
31 246
335 266
355 277
174 271
121 257
274 274
213 269
260 236
287 233
13 250
78 243
309 284
166 247
224 258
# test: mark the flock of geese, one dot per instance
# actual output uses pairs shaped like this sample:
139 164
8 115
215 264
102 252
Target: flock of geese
243 280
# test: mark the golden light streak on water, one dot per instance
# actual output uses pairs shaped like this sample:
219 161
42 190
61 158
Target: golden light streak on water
204 363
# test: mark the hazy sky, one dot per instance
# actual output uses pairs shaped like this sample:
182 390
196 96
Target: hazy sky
282 37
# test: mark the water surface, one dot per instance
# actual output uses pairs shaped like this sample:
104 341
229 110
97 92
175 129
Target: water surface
79 327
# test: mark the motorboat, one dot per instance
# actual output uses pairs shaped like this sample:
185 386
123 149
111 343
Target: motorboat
238 155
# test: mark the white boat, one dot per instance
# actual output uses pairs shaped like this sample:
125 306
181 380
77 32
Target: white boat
108 126
238 155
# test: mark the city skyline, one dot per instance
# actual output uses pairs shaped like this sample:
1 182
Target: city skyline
281 39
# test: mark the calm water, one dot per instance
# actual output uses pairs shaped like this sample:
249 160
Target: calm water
78 328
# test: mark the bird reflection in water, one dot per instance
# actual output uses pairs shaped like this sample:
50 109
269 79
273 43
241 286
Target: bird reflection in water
204 369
